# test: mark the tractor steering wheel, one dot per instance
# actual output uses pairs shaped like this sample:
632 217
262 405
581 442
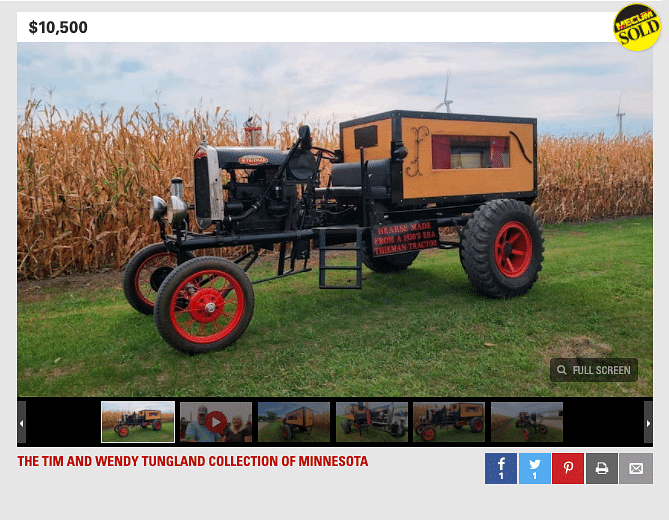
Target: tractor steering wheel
326 154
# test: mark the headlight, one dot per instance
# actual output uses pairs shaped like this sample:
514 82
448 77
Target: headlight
158 208
177 210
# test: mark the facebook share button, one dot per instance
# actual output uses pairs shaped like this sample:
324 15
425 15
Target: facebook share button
501 468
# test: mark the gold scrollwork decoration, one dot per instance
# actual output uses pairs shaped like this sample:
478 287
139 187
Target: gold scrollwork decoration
417 131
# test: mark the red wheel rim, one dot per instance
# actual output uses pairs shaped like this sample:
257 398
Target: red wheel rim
285 433
158 425
207 306
479 425
527 435
513 249
428 434
143 287
123 431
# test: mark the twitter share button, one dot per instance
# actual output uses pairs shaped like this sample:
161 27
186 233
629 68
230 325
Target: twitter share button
534 468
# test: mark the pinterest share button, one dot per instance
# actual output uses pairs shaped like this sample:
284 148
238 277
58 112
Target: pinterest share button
568 468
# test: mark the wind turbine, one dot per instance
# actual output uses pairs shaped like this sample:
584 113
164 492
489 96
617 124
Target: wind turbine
620 115
446 102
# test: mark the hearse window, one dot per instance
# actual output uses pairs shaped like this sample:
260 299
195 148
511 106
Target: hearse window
459 151
366 137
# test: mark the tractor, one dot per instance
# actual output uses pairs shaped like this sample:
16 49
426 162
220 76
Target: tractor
141 418
398 181
528 421
384 418
455 414
298 421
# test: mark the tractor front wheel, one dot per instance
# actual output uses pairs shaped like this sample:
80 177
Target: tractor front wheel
346 426
542 429
123 431
156 425
419 429
145 273
428 434
502 248
204 305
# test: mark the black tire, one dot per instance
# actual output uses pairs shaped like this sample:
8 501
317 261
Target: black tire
542 429
457 427
419 429
156 425
346 426
287 432
145 273
204 305
123 431
502 248
387 264
476 425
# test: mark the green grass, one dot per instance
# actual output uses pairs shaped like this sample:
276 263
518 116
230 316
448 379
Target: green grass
509 433
421 332
272 432
368 434
165 434
451 434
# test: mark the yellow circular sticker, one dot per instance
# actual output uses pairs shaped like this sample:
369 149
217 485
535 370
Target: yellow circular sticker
637 27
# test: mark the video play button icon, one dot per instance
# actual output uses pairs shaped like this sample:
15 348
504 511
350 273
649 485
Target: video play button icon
216 422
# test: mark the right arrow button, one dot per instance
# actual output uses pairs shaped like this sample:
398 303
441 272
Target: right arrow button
648 418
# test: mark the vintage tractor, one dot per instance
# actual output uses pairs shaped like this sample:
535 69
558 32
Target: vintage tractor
528 421
386 418
396 181
141 418
455 414
298 421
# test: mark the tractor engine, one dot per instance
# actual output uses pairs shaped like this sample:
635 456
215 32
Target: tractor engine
245 189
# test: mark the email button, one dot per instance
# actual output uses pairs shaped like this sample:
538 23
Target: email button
635 468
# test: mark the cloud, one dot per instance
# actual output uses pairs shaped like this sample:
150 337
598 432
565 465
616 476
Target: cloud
568 87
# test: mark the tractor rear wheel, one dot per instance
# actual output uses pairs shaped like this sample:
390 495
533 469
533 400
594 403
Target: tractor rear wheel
204 305
145 273
428 433
156 425
476 425
346 426
502 248
287 432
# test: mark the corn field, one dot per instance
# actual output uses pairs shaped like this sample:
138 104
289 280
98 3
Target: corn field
84 180
322 420
110 418
420 410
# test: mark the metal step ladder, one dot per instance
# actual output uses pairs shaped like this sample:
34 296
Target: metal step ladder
323 267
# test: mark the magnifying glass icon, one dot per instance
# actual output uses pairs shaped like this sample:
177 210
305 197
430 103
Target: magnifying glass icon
561 370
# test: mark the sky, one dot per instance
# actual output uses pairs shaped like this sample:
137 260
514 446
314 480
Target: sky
513 409
133 406
571 88
341 406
